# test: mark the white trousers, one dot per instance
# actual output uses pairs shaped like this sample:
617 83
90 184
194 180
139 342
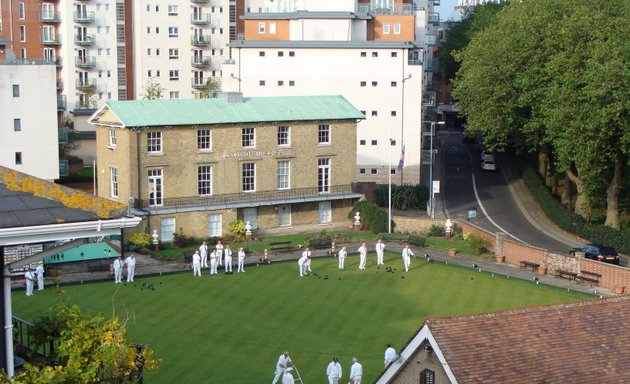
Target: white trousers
379 257
362 258
213 266
196 269
131 271
204 261
118 275
341 262
406 262
228 264
220 257
40 283
241 265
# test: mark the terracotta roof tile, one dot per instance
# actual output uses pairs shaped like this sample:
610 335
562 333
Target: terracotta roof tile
585 341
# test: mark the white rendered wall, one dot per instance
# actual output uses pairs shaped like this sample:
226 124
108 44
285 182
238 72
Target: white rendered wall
341 71
327 29
36 107
276 6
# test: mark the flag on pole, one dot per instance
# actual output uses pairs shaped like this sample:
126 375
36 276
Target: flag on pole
401 163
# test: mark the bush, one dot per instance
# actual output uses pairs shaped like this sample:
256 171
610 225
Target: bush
436 231
373 218
476 242
404 197
140 240
238 229
183 241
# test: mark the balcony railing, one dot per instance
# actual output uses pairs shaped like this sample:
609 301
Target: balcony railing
398 9
62 103
84 40
430 39
49 17
263 197
431 65
198 83
200 1
200 41
434 18
85 104
84 17
201 62
428 99
51 40
85 62
62 135
436 3
59 84
85 84
203 19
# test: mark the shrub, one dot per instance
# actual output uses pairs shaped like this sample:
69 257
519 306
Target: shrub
436 231
404 197
373 218
140 240
238 229
476 242
183 241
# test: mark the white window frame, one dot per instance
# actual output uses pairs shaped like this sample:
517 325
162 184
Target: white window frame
284 174
323 175
154 142
204 139
167 229
173 74
325 212
248 177
173 95
173 10
22 33
323 134
284 136
396 28
156 187
272 28
173 53
204 180
386 30
248 137
113 182
113 138
21 11
173 32
214 225
284 215
261 28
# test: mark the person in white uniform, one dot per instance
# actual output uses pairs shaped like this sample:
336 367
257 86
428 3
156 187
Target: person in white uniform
228 259
241 260
219 248
196 261
213 262
118 266
333 371
356 371
390 355
130 261
203 252
406 256
342 255
301 264
362 255
380 250
307 263
39 271
281 366
287 378
29 278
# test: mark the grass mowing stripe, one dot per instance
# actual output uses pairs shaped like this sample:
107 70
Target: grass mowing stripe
232 329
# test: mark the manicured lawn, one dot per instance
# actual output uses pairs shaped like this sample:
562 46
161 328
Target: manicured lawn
232 329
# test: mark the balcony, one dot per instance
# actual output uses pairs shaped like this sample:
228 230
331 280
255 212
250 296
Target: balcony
431 65
52 60
436 3
199 1
203 19
239 200
49 17
434 18
199 83
84 17
84 40
85 62
428 99
85 104
430 40
200 61
84 85
51 40
200 41
59 84
62 135
62 103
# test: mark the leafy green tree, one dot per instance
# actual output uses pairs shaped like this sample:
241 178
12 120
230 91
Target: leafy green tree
87 350
210 89
153 90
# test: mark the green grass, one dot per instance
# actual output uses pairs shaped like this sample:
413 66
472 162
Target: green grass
232 330
460 245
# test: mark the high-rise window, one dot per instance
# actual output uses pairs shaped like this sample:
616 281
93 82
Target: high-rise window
249 177
17 125
18 158
283 174
16 90
204 180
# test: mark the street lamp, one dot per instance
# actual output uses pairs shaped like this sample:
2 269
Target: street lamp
432 201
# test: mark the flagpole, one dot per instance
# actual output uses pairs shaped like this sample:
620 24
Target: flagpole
389 200
402 121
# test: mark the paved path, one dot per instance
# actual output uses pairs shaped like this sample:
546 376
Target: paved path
147 266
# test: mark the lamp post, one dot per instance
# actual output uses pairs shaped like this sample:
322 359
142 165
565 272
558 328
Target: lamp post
432 201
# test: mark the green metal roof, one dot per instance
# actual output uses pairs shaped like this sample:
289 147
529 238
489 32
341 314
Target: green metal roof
147 113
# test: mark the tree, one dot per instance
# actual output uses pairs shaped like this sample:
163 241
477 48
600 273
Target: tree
153 90
551 76
65 150
210 89
87 350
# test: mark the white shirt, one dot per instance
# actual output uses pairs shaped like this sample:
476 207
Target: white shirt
406 252
241 255
130 261
334 369
390 355
196 258
287 378
306 253
302 260
356 371
343 254
118 264
220 247
29 276
380 246
228 252
203 249
362 250
283 361
39 271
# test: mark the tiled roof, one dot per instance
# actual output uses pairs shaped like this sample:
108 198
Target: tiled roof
579 342
27 201
148 113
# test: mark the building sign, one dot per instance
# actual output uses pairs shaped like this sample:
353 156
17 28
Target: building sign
246 154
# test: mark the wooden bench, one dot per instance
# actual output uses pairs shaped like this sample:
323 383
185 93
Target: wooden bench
529 265
280 246
393 237
320 243
98 266
187 257
418 241
588 277
566 274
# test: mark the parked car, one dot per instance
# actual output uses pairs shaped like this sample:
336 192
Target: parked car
488 165
598 252
487 156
